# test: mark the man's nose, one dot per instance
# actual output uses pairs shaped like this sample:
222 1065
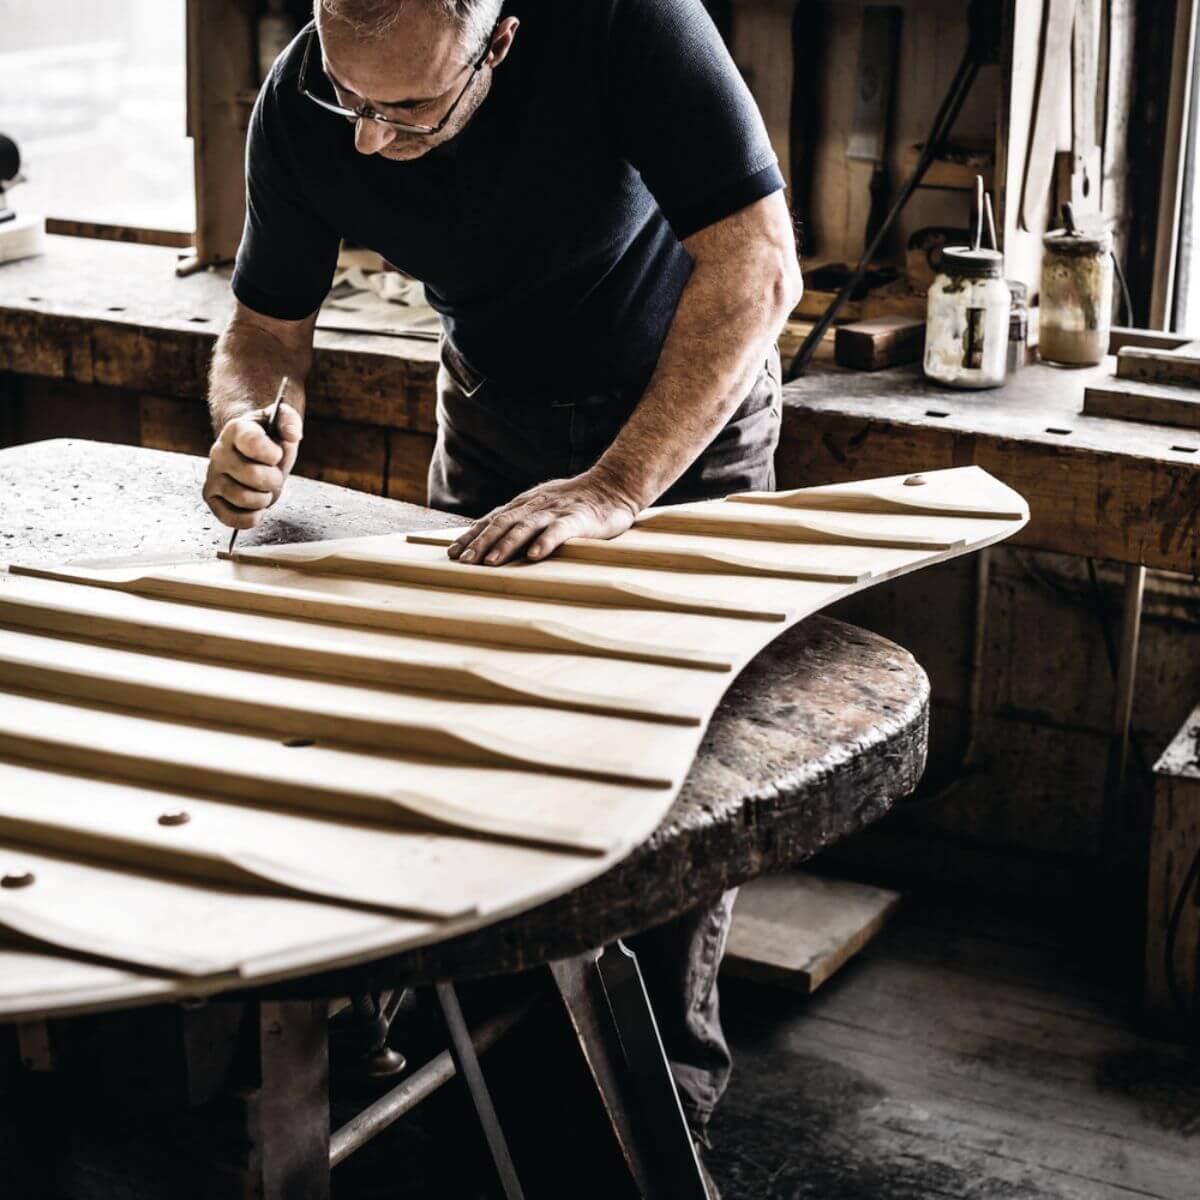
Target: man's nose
370 136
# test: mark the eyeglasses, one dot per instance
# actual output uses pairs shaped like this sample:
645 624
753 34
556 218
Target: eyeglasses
366 113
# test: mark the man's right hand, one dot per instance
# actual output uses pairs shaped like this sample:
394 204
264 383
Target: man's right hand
247 470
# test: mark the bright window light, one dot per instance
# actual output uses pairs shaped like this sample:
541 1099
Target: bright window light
94 93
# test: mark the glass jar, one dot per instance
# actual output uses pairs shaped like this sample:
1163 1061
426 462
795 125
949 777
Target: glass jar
966 333
1018 325
1077 283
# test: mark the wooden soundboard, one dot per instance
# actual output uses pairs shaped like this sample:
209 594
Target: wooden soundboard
305 756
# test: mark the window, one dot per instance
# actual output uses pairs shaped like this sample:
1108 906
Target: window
94 93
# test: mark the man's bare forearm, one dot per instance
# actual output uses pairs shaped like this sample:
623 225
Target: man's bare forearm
246 368
730 313
745 281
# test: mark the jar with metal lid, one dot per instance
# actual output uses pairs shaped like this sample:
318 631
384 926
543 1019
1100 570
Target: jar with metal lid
966 333
1018 325
1077 284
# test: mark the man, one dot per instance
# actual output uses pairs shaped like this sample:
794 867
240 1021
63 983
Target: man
587 191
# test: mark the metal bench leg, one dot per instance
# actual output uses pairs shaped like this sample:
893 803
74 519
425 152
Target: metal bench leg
462 1050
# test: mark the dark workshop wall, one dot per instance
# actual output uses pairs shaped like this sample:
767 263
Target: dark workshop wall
1024 809
824 39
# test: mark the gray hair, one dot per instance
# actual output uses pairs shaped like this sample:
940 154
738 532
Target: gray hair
372 18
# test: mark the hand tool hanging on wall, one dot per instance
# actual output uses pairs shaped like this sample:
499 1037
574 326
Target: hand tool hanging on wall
870 127
810 55
984 35
1054 71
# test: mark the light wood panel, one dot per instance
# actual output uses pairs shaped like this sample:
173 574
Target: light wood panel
176 925
966 492
395 661
262 848
373 719
732 520
414 793
664 552
375 746
403 562
34 977
420 618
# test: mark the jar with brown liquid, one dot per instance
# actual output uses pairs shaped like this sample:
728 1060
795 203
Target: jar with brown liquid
1077 283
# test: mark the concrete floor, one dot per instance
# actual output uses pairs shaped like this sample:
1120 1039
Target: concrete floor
962 1055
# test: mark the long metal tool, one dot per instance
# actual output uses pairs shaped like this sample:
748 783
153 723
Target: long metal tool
984 22
271 424
942 125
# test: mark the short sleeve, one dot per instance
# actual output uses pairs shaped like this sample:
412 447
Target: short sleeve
684 116
288 253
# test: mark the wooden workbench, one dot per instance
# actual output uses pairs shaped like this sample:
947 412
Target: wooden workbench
1097 487
817 738
107 334
101 339
1116 490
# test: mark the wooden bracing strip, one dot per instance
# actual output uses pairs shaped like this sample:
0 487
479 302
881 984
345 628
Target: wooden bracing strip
425 620
971 493
294 647
680 557
331 782
729 520
515 581
290 706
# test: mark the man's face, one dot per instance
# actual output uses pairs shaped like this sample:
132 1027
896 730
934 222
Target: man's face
414 72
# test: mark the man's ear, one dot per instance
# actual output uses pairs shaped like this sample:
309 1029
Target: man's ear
502 42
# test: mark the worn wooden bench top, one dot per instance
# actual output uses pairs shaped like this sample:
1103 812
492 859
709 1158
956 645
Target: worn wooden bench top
1127 491
90 312
818 737
107 313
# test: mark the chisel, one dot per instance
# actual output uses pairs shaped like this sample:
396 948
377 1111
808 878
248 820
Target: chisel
271 423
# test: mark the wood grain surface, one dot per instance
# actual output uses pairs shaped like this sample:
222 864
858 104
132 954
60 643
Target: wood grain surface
550 765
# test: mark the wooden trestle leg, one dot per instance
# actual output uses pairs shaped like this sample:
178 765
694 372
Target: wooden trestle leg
614 1024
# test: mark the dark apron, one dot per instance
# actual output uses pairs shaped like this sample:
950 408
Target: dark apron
492 446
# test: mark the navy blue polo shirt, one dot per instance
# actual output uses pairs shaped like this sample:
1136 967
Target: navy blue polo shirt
548 232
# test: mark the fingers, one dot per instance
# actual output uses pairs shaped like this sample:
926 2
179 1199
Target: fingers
228 514
471 532
234 493
247 474
289 426
507 536
553 536
250 439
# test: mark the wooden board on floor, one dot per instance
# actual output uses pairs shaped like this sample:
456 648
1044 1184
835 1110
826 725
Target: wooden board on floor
798 929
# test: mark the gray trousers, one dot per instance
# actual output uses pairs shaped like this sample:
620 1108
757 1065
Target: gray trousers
491 446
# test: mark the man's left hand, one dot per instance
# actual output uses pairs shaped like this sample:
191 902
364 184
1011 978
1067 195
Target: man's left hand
538 521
